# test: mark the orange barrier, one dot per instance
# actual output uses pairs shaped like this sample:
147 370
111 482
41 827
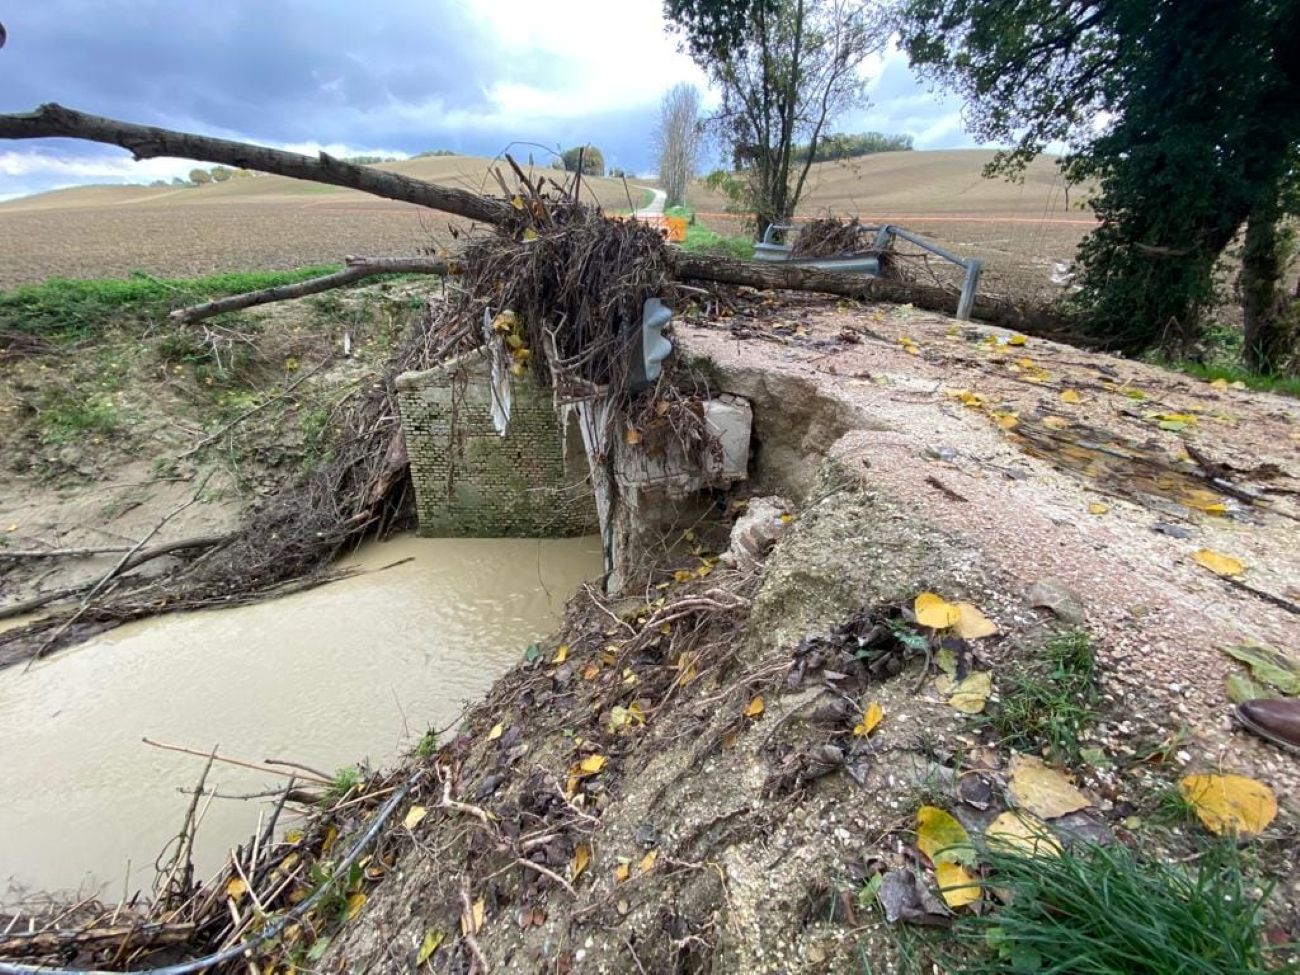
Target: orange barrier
674 226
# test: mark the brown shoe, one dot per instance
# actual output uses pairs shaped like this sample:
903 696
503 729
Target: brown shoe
1276 720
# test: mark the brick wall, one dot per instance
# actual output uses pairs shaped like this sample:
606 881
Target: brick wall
471 481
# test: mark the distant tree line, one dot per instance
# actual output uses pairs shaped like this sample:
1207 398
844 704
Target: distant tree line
840 145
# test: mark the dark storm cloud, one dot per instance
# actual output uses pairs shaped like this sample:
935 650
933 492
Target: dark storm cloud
288 70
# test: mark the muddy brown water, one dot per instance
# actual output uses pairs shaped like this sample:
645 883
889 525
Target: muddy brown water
358 669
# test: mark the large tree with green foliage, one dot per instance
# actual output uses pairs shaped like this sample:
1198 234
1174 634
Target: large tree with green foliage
1185 114
592 159
785 69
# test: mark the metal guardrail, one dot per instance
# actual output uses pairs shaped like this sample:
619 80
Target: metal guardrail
769 250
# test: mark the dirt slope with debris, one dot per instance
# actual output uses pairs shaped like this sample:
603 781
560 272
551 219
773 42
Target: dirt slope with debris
691 779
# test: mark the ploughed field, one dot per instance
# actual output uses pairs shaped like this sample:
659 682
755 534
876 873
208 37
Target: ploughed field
1020 229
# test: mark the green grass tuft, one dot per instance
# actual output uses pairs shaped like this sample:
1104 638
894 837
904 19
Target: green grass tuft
702 240
1285 385
66 310
1051 701
1105 911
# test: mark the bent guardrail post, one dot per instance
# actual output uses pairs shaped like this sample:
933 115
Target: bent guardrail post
967 300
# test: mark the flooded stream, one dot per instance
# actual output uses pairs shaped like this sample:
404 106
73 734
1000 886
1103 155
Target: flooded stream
358 669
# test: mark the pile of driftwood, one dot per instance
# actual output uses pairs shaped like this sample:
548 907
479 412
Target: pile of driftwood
289 890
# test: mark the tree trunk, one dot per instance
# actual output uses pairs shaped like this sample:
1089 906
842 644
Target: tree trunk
1269 315
148 142
754 274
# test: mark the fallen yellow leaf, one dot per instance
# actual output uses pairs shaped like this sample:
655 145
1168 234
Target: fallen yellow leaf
414 815
912 349
956 884
561 653
973 624
236 888
648 861
1022 832
1224 565
1230 803
581 857
1055 422
1042 790
932 611
1097 508
355 903
1219 384
632 437
497 730
1016 340
755 707
941 838
622 872
871 717
432 939
1071 396
593 764
968 696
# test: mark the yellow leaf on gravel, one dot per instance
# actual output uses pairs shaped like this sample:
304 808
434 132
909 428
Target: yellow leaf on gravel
1219 384
236 888
1230 803
355 903
1224 565
1016 340
1055 422
432 939
561 653
871 717
972 624
581 857
1042 790
593 764
932 611
956 884
1097 508
474 922
414 815
497 731
1071 396
970 695
648 861
912 349
755 707
940 837
1022 832
622 872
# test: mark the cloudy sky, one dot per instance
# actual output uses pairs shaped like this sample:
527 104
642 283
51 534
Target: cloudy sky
394 77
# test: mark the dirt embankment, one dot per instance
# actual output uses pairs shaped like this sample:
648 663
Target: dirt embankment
691 779
107 436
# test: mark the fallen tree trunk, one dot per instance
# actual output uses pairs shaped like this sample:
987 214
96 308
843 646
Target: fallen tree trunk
769 276
149 142
357 269
36 602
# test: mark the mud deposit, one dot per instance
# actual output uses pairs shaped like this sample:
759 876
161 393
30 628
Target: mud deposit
355 670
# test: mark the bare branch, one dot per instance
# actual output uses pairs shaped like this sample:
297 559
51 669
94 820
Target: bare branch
357 268
149 142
